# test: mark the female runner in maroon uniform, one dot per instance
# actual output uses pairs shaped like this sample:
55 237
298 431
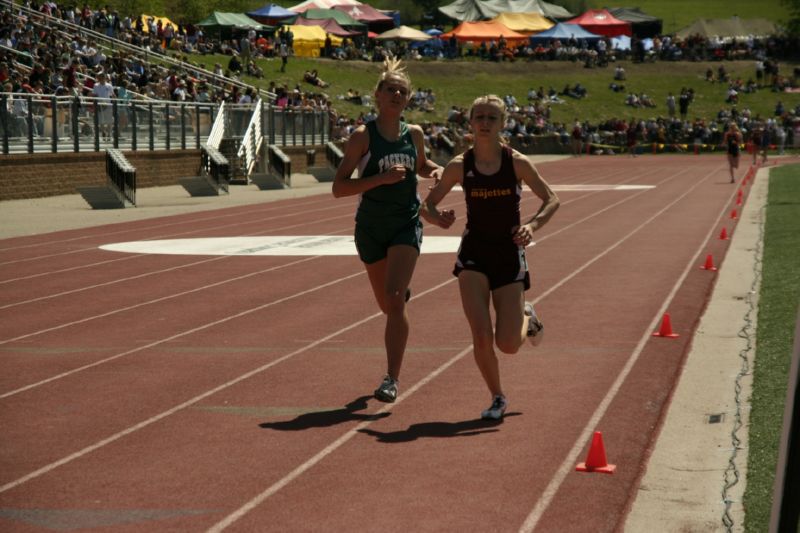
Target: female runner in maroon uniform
731 141
491 265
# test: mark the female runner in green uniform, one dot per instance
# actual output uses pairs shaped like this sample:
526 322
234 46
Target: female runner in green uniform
389 154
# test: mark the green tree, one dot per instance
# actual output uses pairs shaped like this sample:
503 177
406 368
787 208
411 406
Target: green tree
793 25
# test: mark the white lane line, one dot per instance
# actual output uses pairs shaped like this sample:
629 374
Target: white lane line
156 343
183 333
294 474
568 465
138 276
333 446
131 429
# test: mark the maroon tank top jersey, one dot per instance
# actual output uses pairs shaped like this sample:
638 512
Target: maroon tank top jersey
487 244
492 201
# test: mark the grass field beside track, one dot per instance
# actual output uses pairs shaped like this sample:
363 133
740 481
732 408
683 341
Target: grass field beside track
460 82
777 315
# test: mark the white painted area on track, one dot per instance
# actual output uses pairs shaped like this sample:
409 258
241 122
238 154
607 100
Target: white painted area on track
278 245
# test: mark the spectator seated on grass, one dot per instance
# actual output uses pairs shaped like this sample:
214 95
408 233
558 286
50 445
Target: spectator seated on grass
574 92
353 97
313 78
619 73
254 70
617 88
646 101
234 64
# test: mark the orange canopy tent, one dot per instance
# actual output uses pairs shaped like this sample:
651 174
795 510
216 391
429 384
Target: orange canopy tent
483 31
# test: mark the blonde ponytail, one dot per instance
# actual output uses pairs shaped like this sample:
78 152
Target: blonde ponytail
393 68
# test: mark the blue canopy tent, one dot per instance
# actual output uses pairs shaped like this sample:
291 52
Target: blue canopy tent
271 14
563 32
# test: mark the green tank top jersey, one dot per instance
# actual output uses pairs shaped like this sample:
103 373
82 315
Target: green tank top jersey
398 202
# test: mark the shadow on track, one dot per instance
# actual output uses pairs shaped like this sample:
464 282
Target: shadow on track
466 428
331 417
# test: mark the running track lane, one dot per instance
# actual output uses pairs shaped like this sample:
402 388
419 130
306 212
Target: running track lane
246 403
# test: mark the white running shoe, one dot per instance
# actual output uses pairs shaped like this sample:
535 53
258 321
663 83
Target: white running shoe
496 410
535 326
387 390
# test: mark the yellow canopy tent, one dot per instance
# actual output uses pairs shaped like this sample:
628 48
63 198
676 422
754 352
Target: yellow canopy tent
308 40
164 22
524 22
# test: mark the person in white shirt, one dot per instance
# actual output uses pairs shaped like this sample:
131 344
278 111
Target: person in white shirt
103 90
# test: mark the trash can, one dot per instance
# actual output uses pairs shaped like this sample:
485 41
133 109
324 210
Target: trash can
311 156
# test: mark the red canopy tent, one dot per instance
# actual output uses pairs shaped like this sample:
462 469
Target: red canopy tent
329 25
601 22
484 31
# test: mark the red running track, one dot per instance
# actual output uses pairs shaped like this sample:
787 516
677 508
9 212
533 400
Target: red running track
147 392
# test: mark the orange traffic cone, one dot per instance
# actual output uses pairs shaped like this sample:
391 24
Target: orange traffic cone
734 215
709 263
723 235
596 459
666 328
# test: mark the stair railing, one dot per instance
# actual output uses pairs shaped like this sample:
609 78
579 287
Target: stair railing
218 129
253 140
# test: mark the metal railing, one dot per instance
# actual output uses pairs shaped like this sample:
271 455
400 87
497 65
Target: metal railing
38 124
121 174
215 166
218 128
333 154
281 163
253 140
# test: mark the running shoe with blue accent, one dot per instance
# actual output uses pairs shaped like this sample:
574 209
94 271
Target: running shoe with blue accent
497 409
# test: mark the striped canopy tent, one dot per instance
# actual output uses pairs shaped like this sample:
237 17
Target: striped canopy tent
485 31
322 4
524 22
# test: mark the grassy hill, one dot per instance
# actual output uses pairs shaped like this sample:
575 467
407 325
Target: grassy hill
460 82
678 14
